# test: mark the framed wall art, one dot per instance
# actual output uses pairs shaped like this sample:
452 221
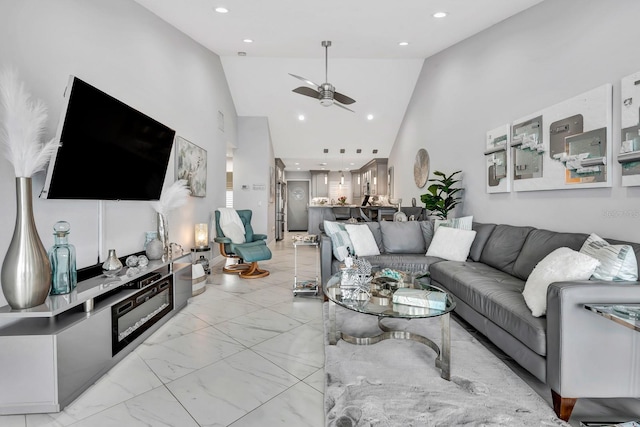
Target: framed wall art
629 154
565 146
191 165
497 175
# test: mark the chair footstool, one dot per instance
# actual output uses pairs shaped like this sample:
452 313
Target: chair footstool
252 255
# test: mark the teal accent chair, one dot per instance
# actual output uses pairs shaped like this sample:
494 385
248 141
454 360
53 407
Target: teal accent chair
254 248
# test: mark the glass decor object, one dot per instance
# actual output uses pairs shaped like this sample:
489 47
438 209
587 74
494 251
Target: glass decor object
201 235
112 265
154 249
62 256
149 236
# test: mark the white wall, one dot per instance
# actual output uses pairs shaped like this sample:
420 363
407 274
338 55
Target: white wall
251 175
545 55
124 50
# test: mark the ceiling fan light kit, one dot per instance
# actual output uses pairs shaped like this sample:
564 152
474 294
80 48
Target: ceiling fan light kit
325 92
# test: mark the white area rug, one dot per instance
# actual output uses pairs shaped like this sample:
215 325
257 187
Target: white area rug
396 383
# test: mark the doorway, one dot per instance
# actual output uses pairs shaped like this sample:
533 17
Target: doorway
297 205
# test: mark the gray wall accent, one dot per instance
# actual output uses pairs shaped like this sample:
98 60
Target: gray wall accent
251 161
128 52
542 56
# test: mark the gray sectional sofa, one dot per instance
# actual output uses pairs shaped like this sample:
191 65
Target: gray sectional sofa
576 352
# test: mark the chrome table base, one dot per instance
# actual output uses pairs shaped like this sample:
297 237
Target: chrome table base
443 359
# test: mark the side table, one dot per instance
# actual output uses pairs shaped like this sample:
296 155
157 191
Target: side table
305 286
623 314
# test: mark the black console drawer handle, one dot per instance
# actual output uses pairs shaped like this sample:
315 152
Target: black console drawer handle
163 285
123 308
142 298
144 282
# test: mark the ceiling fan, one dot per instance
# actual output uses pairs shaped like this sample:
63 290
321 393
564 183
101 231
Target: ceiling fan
325 92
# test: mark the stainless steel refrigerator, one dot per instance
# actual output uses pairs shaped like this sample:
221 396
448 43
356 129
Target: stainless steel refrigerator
281 205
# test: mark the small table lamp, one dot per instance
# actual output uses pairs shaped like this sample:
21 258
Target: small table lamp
201 235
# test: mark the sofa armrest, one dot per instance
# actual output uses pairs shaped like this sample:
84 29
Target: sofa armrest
587 354
257 237
224 240
326 258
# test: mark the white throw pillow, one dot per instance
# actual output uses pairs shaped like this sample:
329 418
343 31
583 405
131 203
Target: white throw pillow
617 262
463 223
364 243
452 244
233 231
561 265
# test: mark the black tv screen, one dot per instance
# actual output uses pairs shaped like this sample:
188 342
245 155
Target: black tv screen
108 150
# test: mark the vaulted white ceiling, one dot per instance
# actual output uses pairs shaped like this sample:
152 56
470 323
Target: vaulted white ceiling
365 63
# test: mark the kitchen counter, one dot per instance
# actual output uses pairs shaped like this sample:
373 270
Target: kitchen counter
319 213
333 206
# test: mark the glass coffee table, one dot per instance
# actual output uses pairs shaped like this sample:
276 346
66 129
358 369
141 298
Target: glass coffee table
383 307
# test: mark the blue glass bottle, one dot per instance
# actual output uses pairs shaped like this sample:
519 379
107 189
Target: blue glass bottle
62 256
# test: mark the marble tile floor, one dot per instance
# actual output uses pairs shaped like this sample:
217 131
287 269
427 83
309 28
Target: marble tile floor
244 353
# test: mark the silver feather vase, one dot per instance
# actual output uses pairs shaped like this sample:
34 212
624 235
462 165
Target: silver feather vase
163 234
26 271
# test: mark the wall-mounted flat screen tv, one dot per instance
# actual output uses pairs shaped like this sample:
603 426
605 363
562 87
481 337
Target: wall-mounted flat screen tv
108 150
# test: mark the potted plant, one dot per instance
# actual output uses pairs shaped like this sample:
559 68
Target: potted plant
442 196
342 200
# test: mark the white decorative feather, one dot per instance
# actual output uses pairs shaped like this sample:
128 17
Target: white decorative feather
23 122
172 197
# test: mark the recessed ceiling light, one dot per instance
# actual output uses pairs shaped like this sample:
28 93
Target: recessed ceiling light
301 117
440 14
296 163
351 164
248 40
221 9
369 116
403 44
298 168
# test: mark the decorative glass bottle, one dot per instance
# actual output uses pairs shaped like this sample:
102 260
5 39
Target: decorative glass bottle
62 256
112 266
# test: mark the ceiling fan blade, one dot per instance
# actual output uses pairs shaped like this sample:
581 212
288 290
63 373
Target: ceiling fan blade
343 99
307 81
303 90
342 106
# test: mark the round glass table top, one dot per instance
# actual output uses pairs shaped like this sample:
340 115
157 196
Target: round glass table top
419 297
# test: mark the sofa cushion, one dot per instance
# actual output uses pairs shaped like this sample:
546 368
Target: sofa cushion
402 237
451 243
617 262
541 243
495 295
503 246
483 231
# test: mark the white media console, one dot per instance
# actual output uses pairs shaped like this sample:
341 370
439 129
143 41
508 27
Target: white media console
51 353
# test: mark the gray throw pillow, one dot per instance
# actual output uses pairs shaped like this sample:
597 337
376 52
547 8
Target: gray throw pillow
427 232
402 237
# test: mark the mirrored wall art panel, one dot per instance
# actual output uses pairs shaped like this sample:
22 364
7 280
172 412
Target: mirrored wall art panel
629 154
565 146
496 156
